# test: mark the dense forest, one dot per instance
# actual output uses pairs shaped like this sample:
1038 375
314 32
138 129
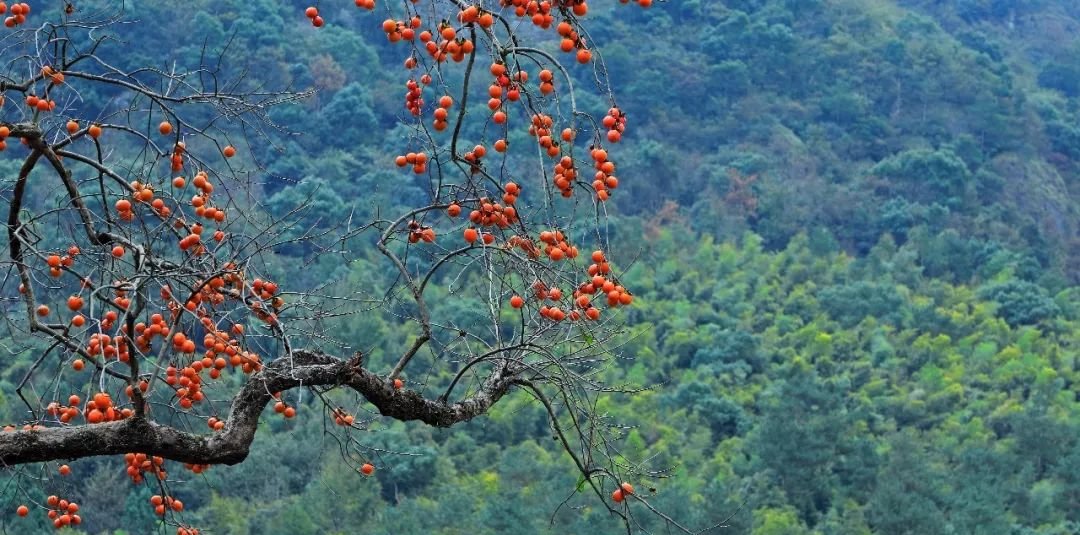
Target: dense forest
853 231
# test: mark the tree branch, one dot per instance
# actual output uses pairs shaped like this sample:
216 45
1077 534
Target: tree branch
231 445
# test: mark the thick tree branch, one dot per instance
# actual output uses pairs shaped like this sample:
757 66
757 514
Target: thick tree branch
231 445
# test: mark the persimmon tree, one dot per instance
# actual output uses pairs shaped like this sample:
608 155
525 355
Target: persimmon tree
137 280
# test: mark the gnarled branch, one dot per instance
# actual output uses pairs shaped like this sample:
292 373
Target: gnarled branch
231 445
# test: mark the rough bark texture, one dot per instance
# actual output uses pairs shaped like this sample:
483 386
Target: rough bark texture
231 445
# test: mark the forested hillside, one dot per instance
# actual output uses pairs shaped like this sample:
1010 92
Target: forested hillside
852 228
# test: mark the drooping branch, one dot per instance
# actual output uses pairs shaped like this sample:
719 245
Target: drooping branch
231 445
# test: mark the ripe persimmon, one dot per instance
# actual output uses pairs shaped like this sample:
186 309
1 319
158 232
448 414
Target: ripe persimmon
471 235
229 151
